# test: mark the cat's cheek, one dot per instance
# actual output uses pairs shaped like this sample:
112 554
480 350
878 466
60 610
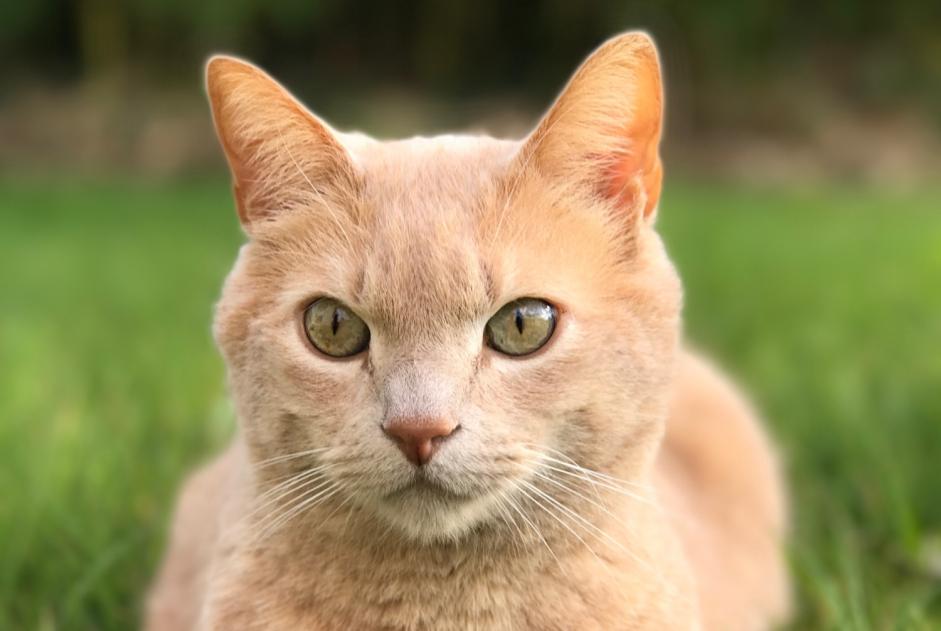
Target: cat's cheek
281 377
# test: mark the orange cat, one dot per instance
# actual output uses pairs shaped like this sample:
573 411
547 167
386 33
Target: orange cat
461 395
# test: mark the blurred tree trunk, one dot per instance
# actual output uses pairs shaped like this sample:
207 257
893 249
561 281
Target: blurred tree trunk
103 40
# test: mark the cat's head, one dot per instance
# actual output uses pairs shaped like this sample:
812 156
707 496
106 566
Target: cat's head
437 324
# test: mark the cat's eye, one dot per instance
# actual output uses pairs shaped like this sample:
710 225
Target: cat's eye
334 329
522 326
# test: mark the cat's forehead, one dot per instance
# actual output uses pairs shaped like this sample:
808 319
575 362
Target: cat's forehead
447 169
425 195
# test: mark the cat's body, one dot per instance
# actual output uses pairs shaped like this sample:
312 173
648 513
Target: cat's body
608 480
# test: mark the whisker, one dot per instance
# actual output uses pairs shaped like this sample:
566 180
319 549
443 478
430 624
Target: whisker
502 515
305 490
568 462
285 488
592 528
603 484
508 519
579 475
551 514
573 491
321 496
304 506
535 530
607 482
349 497
299 454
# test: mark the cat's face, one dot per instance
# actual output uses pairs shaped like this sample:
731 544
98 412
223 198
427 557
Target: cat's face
424 241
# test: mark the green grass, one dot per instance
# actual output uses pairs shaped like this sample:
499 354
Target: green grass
826 304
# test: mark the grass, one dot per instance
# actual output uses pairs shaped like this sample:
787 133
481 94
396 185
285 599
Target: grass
825 303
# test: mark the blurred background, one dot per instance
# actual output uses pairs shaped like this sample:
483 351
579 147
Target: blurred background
801 204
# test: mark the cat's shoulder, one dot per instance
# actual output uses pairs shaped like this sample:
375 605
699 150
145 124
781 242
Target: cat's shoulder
715 434
719 476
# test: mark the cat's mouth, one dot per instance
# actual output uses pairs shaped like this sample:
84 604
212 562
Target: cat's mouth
427 507
423 485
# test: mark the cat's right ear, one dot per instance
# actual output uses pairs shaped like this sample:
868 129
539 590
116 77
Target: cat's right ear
282 157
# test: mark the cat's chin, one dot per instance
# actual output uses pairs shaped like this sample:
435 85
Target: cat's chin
426 512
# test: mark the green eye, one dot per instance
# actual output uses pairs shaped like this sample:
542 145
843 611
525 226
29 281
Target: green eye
522 326
335 330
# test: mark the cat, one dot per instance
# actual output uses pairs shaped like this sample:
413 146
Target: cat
462 397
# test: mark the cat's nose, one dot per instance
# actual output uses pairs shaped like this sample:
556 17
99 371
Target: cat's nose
418 437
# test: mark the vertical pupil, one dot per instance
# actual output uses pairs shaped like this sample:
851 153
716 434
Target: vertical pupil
335 321
519 320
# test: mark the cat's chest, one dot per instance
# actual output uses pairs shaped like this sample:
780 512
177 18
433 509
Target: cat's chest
416 592
371 593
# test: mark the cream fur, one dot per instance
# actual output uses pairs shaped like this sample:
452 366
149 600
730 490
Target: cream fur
425 239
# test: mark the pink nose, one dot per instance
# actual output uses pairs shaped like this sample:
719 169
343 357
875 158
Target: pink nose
418 436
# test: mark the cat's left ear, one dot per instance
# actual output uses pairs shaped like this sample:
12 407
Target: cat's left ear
604 130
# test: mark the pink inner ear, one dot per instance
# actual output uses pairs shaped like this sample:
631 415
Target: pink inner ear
641 157
640 139
620 183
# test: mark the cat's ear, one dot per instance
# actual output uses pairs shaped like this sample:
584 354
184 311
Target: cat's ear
604 129
282 157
